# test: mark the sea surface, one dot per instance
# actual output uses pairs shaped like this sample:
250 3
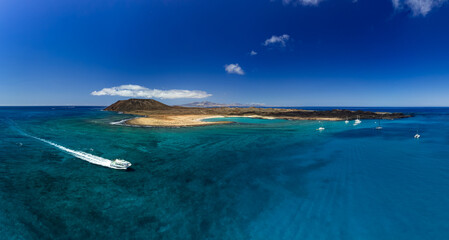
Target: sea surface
254 179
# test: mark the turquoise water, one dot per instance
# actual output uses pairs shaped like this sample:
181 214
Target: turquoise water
254 179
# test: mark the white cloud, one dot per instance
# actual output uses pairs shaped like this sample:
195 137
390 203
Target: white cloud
418 7
277 40
253 53
302 2
143 92
395 3
234 69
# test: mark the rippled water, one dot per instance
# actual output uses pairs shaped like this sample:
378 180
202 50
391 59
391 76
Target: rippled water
255 179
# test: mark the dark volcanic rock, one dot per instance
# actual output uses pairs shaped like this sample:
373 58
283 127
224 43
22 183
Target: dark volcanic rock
341 114
137 105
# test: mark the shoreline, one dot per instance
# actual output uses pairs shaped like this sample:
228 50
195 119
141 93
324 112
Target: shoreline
156 114
174 121
198 120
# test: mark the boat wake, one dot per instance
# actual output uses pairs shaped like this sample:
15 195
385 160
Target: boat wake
81 155
115 164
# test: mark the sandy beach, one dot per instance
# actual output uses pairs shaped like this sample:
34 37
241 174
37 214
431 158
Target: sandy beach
198 120
174 120
182 120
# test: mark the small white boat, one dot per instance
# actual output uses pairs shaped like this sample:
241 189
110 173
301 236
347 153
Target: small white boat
347 121
417 135
378 126
321 129
357 121
119 164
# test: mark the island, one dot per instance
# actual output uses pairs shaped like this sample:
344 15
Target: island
157 114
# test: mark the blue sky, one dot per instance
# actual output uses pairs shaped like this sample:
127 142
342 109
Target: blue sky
309 52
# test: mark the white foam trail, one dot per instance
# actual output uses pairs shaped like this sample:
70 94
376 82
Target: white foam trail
121 122
81 155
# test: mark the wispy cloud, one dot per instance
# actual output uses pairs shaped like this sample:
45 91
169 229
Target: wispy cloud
418 7
143 92
253 53
302 2
234 69
277 40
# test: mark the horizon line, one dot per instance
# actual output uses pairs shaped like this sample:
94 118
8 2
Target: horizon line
268 106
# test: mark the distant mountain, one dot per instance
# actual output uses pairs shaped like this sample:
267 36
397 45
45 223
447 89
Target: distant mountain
136 105
204 104
207 104
150 105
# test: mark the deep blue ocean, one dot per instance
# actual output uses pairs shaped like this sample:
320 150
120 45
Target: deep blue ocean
254 179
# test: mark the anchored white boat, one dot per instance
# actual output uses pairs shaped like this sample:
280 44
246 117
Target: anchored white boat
378 126
321 129
417 135
357 121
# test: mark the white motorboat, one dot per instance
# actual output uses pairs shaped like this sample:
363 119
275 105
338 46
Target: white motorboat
120 164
